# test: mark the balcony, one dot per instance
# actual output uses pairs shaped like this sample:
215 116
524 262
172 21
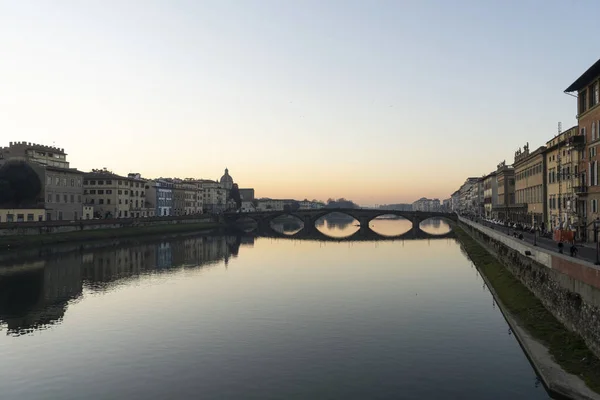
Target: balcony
580 189
577 141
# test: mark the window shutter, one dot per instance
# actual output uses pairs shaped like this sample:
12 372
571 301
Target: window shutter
589 177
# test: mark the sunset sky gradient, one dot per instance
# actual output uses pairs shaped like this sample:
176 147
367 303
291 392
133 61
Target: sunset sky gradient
376 101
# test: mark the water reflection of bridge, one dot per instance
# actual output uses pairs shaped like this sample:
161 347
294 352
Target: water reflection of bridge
361 235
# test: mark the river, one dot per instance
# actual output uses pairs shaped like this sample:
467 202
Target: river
232 317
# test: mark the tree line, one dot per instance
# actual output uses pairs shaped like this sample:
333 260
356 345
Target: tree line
20 185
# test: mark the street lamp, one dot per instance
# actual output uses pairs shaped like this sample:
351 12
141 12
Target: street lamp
596 227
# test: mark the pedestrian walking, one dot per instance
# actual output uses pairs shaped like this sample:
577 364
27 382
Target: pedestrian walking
574 250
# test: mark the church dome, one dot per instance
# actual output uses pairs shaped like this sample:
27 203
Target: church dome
227 179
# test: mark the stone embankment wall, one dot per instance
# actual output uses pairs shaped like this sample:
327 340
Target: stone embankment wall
568 287
45 227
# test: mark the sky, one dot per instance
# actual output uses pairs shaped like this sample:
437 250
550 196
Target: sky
375 101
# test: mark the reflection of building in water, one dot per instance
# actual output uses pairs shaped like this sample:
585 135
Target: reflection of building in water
336 220
107 266
432 222
335 224
247 241
35 295
435 226
164 257
287 224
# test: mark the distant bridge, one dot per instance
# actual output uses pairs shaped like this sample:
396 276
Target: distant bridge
363 216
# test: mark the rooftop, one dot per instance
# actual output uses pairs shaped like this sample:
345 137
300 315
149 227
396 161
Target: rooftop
38 147
103 174
589 75
72 170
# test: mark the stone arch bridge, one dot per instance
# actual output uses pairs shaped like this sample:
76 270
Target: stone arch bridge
363 216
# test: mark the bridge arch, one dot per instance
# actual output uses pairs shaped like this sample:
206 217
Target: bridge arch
335 224
433 227
286 224
392 225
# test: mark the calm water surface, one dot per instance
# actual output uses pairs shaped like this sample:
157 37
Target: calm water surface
243 318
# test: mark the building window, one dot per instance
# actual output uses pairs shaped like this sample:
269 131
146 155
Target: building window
57 198
49 198
64 181
79 198
48 180
101 201
65 198
582 101
126 201
73 182
29 217
594 205
100 182
109 191
57 181
107 201
10 218
91 201
60 215
127 192
78 182
120 201
109 182
72 198
100 191
120 192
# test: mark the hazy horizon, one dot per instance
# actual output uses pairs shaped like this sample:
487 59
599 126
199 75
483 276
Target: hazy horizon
378 102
